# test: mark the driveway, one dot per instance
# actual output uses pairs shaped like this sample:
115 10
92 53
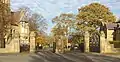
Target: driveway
48 56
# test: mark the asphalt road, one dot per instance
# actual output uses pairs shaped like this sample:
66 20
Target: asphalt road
47 56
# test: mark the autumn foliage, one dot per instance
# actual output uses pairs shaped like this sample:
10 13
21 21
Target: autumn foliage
94 12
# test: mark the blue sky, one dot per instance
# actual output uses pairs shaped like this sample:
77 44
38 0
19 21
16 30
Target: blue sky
51 8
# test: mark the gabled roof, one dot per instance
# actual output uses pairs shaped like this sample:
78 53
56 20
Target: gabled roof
111 26
15 17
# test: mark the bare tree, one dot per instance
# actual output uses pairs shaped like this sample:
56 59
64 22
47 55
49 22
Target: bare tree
4 21
37 23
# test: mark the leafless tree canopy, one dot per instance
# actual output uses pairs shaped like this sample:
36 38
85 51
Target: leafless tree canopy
4 21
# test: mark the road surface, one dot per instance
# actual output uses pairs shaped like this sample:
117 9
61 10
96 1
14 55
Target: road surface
47 56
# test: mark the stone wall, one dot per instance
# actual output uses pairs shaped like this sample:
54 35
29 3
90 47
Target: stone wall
11 43
11 47
105 46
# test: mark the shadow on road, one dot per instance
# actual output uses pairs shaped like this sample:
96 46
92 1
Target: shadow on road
36 59
73 56
47 56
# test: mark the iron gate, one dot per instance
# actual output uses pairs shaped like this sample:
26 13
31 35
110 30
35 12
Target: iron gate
24 48
94 44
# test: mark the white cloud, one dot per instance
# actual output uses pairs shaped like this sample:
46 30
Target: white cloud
51 8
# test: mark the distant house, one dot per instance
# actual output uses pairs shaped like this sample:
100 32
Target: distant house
112 31
18 38
117 32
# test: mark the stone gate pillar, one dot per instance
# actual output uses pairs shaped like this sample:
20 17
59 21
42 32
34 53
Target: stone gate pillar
102 42
86 42
16 43
32 41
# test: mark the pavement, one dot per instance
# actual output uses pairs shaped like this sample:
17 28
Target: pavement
116 55
96 57
48 56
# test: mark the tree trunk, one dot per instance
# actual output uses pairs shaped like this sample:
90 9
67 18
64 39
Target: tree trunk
2 40
4 21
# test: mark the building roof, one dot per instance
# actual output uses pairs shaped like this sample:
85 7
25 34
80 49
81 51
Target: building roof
15 16
111 26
